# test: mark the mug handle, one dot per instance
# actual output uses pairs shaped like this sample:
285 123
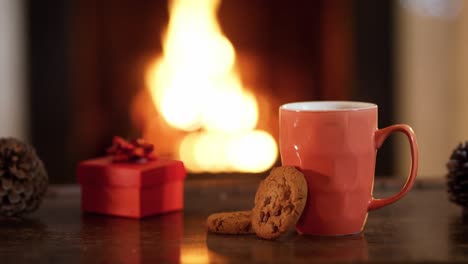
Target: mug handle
379 137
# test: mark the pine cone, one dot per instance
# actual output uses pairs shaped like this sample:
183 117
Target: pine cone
23 178
457 178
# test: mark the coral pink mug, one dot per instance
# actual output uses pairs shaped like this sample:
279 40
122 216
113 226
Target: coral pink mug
334 143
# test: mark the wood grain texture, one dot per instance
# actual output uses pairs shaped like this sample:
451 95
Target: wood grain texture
422 227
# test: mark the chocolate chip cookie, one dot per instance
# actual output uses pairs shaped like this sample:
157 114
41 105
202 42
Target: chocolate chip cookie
233 223
279 202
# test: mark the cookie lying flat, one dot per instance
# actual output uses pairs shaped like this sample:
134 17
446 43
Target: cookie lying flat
279 202
233 223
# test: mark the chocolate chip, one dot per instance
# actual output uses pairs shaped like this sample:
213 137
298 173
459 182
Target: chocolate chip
274 228
287 195
248 227
277 212
262 214
266 217
267 201
219 224
288 209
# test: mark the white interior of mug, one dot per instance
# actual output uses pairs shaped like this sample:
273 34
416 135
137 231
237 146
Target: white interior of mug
327 106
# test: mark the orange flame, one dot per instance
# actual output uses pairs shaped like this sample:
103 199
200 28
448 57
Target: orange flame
195 88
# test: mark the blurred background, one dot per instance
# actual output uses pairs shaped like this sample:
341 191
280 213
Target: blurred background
203 80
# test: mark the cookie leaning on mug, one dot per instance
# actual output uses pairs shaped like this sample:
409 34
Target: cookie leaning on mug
232 223
279 202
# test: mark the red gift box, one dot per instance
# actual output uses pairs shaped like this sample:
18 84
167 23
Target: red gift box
131 189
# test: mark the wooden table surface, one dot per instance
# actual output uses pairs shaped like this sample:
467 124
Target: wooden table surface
422 227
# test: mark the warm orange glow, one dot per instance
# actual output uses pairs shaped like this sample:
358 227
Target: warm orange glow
253 151
194 256
249 151
195 88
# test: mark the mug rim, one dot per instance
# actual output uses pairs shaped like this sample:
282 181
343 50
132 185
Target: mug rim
327 106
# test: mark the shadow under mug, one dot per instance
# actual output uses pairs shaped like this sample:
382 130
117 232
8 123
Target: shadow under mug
334 143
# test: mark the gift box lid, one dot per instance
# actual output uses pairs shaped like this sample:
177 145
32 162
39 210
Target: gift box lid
104 172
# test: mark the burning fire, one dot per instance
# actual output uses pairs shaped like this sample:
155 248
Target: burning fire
195 87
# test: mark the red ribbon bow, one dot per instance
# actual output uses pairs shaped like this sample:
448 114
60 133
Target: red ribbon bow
137 150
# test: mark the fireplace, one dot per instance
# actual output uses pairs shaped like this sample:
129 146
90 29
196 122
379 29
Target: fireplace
257 54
